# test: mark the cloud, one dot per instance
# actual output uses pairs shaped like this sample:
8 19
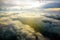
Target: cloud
15 29
51 5
49 0
52 23
52 9
25 4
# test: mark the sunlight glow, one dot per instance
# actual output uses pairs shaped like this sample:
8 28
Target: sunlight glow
52 9
24 4
30 15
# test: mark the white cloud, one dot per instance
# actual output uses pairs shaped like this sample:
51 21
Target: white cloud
25 4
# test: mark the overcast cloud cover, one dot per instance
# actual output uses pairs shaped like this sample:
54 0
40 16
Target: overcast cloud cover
25 4
51 19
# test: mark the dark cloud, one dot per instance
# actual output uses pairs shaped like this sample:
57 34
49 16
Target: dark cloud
51 28
53 14
49 0
52 5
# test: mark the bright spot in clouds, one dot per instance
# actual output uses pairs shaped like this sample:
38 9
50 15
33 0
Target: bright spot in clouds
52 9
24 4
29 15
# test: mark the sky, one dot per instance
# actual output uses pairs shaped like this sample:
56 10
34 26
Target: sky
24 4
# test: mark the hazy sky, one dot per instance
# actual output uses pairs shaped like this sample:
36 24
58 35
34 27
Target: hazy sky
25 4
